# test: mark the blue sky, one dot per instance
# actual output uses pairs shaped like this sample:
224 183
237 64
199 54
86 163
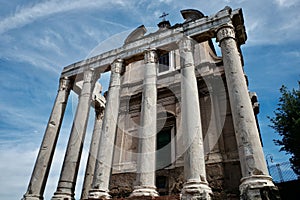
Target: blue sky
39 38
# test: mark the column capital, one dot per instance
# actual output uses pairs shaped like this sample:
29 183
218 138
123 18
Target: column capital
150 56
226 31
89 75
186 44
64 84
116 66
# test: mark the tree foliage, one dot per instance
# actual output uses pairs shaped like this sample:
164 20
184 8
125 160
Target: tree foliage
286 123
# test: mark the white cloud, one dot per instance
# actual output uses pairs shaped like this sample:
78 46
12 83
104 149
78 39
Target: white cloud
49 44
27 15
285 3
15 164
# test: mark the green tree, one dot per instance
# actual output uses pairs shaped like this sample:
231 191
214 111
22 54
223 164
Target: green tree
286 123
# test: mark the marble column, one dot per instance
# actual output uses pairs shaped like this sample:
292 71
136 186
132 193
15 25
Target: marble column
102 172
91 162
67 181
253 165
196 185
216 88
42 166
147 131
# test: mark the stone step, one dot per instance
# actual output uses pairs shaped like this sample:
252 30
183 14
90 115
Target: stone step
171 197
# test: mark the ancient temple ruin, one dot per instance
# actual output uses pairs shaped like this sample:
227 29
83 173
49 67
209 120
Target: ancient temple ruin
177 118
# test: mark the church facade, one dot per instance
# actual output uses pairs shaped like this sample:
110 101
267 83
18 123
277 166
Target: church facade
177 120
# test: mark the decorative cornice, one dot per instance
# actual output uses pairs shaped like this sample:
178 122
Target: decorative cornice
200 30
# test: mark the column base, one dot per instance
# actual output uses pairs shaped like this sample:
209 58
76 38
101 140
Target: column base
140 191
32 197
195 190
62 196
98 194
213 157
258 187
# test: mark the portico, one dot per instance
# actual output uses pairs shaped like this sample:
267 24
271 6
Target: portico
182 42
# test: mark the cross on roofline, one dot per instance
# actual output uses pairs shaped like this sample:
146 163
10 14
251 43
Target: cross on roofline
163 16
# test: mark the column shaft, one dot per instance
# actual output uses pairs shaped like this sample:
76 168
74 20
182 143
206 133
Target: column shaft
147 131
102 173
196 185
42 166
91 162
67 181
253 165
216 88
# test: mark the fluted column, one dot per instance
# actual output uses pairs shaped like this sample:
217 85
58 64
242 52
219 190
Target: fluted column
91 162
102 173
196 185
147 132
67 181
253 165
42 166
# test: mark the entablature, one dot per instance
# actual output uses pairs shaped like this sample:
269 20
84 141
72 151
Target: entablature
200 30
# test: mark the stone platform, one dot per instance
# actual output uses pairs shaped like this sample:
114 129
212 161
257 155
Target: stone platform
171 197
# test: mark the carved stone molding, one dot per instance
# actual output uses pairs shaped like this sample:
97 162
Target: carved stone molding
116 66
150 56
224 32
65 84
186 44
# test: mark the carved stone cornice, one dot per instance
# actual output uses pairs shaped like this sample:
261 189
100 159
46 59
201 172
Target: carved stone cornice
200 29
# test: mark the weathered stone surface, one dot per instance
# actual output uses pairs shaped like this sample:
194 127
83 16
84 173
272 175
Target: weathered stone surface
67 181
43 163
253 165
108 132
210 131
145 185
91 162
196 185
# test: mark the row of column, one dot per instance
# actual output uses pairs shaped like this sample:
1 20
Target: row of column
98 170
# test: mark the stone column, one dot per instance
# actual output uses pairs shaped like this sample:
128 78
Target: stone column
42 166
216 88
108 133
196 185
253 165
147 131
91 162
67 181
